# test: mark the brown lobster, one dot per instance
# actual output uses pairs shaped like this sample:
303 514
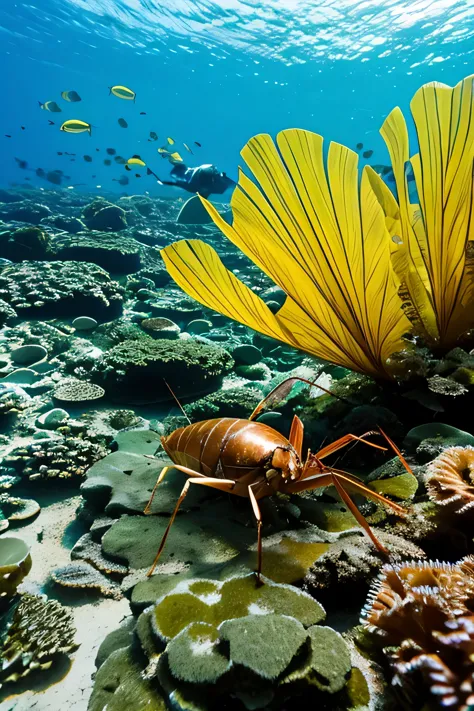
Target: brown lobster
251 459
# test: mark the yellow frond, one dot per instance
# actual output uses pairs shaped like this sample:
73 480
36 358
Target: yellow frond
436 232
324 242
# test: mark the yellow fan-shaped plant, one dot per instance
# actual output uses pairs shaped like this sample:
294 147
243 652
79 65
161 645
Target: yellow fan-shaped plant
320 234
432 242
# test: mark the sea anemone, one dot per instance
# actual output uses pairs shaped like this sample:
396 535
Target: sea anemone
424 610
450 479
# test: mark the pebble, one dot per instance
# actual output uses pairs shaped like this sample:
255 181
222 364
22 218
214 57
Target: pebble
84 323
26 355
199 326
247 354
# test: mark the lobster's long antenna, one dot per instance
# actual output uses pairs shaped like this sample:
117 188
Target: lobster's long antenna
177 401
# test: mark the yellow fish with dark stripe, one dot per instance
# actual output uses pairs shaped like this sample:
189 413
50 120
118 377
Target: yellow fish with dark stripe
122 92
136 160
76 126
71 96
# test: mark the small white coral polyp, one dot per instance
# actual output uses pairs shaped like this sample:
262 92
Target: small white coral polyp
450 479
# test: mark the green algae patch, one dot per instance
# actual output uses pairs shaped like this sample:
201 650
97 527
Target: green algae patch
194 655
401 487
266 644
328 665
119 685
234 598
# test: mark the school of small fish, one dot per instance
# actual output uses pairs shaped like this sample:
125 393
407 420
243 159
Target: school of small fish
78 126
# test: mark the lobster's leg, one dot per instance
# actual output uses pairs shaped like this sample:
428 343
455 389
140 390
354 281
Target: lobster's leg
222 484
258 516
344 441
158 481
340 480
296 435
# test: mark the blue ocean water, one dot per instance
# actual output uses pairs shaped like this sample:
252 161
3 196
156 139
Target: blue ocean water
216 72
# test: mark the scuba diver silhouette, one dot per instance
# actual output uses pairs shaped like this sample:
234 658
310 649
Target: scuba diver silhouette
205 179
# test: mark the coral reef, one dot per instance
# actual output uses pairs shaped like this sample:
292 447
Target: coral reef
450 479
63 457
55 289
25 243
41 632
136 369
102 215
118 255
78 391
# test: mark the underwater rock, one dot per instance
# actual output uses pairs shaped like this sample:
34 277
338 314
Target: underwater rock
103 216
78 391
90 551
16 509
161 328
119 419
176 306
13 399
83 576
60 289
232 402
73 225
28 354
21 376
25 211
62 457
135 371
246 354
8 196
118 639
84 323
40 633
26 243
7 313
353 559
198 326
15 564
427 441
119 685
52 419
118 255
256 372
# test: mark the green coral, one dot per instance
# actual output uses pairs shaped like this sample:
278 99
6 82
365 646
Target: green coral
40 633
25 243
119 255
234 402
55 289
138 369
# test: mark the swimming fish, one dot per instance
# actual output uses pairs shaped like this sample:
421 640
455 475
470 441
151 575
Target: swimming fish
142 113
22 128
123 180
153 136
127 167
107 162
7 135
368 154
120 160
88 159
97 149
40 172
196 143
111 151
360 146
76 126
72 96
50 123
170 141
137 175
22 163
54 177
50 106
175 157
122 92
136 160
122 123
188 148
59 153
